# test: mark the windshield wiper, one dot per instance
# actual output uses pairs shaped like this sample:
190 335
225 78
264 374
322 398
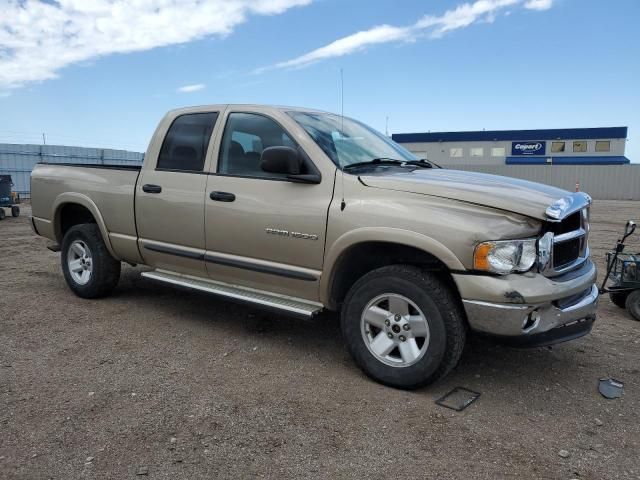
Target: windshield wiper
422 163
389 161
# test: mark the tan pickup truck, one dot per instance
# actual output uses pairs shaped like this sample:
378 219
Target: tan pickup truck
299 210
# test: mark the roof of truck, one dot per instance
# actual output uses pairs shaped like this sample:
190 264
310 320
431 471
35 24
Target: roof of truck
247 105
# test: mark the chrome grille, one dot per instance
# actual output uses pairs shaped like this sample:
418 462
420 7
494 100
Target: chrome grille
564 244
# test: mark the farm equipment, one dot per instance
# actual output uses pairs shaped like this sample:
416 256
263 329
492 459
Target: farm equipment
623 270
8 199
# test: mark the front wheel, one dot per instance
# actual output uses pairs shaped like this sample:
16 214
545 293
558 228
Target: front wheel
88 267
633 304
403 326
15 211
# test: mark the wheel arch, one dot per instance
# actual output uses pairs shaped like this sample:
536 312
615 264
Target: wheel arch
73 208
360 251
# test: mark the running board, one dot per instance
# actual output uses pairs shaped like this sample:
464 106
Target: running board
266 299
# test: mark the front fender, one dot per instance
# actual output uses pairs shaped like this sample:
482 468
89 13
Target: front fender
381 234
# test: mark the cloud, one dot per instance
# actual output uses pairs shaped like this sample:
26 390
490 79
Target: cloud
350 44
39 38
434 26
538 4
191 88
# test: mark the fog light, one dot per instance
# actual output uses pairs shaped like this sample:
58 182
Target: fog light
531 321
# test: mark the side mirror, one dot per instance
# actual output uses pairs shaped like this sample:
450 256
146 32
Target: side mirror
629 228
290 162
283 160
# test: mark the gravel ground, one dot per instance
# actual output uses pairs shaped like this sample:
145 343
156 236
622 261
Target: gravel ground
161 383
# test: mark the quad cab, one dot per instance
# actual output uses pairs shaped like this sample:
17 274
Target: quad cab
300 211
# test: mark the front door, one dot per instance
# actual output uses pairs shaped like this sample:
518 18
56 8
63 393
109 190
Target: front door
170 197
263 231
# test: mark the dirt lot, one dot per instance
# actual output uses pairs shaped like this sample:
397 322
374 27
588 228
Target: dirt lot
175 384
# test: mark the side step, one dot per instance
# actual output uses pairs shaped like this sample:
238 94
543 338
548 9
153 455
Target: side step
293 305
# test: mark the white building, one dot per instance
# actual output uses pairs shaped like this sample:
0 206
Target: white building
569 146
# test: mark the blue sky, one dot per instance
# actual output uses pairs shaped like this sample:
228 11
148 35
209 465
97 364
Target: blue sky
102 73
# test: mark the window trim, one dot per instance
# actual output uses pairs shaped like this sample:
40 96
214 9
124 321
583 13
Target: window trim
204 163
456 148
586 146
608 142
471 149
502 149
277 179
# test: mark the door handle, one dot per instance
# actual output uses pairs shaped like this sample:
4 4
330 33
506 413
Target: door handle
222 196
150 188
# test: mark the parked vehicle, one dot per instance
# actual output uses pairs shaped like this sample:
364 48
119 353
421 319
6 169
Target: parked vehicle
8 199
623 271
300 210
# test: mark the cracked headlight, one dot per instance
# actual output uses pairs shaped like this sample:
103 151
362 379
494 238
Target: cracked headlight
505 256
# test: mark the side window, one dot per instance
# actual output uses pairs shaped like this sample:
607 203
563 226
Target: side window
246 135
185 145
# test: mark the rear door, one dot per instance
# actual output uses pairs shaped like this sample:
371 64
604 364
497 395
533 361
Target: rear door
170 194
263 231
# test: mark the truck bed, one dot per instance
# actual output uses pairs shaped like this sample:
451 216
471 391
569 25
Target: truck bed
110 188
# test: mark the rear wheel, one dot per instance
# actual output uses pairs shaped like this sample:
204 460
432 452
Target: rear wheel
88 267
633 304
15 211
403 326
619 299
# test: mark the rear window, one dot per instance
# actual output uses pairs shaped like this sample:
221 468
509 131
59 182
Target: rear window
185 145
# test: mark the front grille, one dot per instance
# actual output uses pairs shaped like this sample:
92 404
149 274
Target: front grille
571 223
569 249
566 253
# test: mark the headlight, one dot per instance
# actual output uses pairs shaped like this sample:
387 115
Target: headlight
505 256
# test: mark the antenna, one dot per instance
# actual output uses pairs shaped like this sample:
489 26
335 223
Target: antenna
341 101
343 204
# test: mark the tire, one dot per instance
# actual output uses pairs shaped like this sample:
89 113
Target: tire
633 304
2 214
15 211
439 346
103 270
619 299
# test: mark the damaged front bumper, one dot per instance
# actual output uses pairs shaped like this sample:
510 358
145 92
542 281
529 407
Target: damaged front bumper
531 309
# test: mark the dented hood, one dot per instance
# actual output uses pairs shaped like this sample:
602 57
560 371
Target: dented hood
504 193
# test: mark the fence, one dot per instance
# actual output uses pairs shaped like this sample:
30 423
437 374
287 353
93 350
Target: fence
602 182
18 160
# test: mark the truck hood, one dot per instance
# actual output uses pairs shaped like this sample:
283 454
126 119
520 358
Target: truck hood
504 193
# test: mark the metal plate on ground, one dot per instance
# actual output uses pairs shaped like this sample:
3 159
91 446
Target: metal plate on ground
610 388
458 399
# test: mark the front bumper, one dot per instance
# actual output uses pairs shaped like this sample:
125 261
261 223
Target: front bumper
531 308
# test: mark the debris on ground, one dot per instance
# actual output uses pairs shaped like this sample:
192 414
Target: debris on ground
610 388
458 399
564 453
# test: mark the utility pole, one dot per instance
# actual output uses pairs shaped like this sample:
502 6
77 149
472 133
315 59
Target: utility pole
44 139
386 126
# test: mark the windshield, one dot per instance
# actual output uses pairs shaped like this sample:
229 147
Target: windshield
347 141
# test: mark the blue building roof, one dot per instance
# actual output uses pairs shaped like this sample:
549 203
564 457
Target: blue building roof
513 135
566 160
